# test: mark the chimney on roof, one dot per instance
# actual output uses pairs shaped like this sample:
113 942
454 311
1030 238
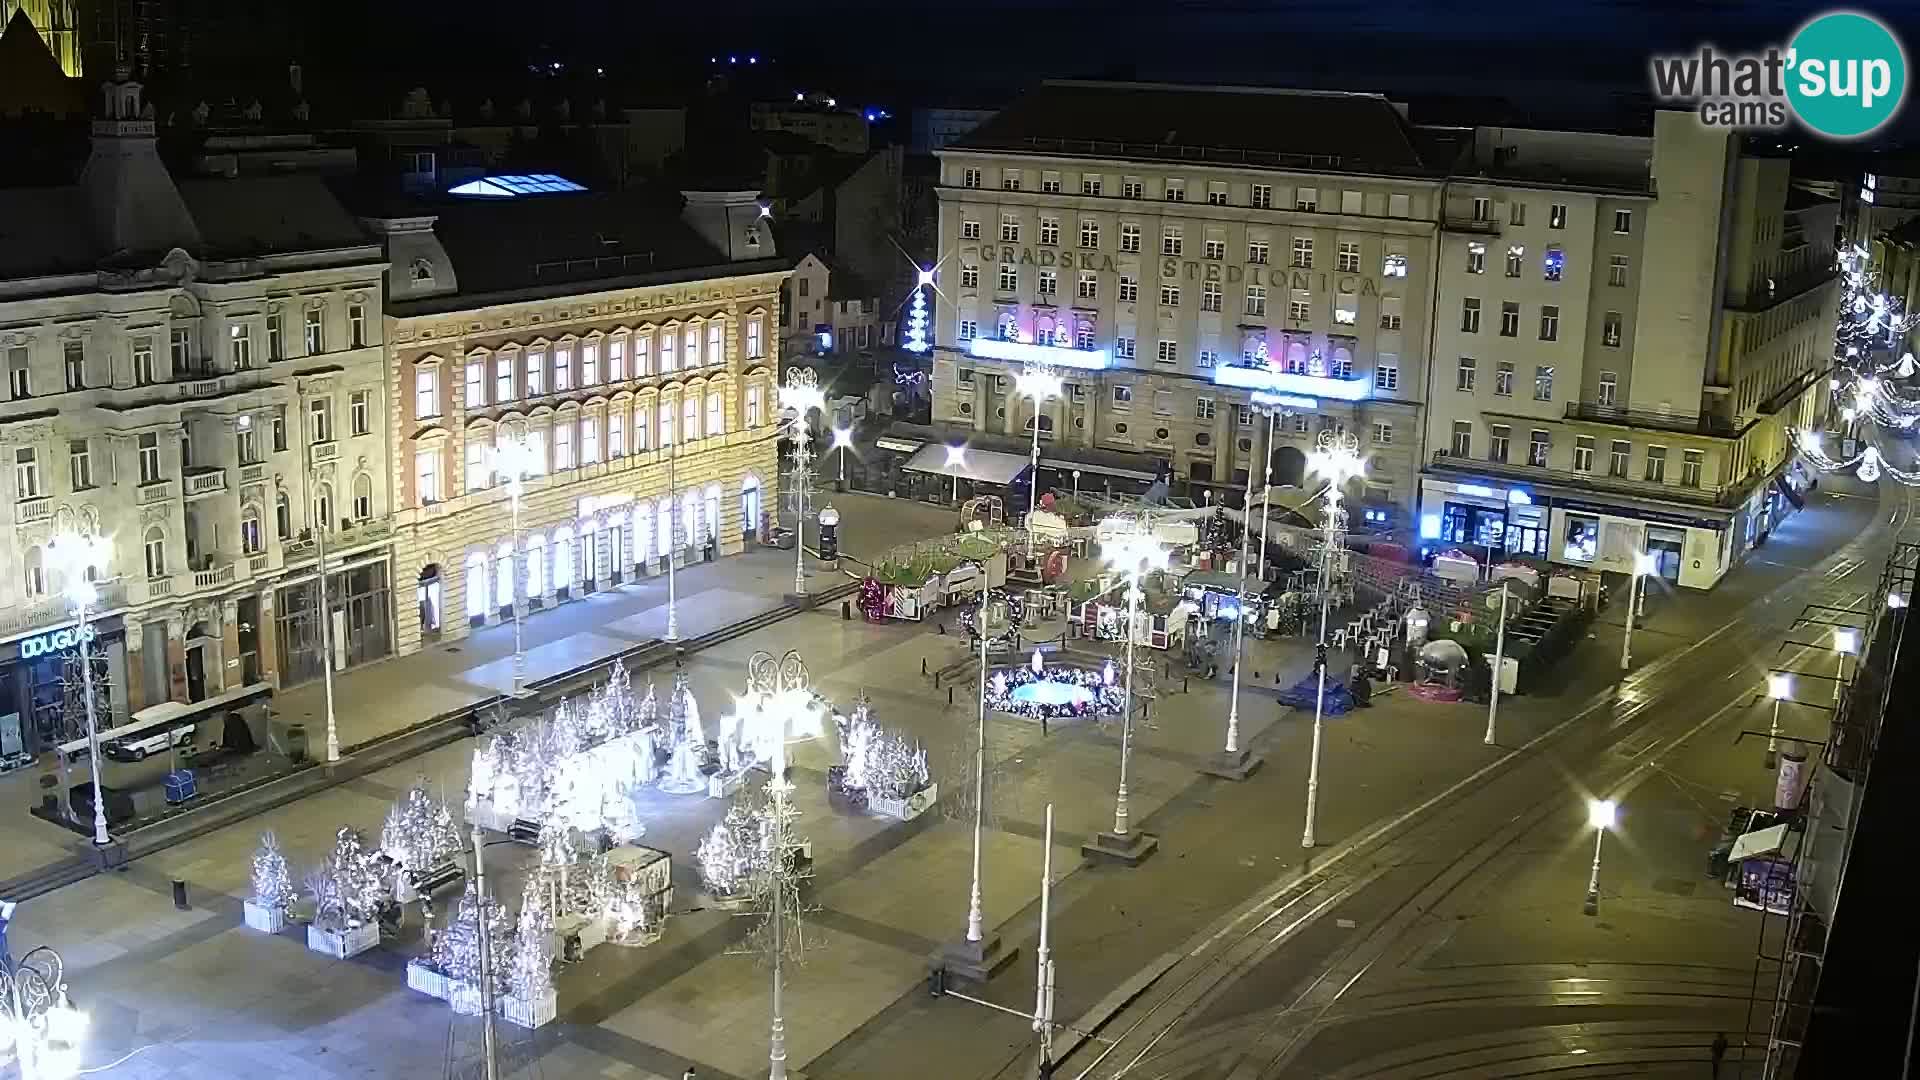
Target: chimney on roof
734 222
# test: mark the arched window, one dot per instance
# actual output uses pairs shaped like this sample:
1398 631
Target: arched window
1296 363
363 497
421 272
476 585
750 506
503 576
536 547
1009 327
282 516
156 553
251 541
36 578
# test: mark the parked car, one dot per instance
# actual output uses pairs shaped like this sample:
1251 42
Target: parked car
136 746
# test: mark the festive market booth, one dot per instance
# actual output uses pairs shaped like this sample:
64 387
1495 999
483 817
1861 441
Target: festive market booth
913 580
1161 622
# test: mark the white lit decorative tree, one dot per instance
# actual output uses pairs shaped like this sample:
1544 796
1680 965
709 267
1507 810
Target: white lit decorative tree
272 884
455 951
916 333
530 973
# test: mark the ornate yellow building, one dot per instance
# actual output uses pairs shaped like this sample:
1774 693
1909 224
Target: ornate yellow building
58 22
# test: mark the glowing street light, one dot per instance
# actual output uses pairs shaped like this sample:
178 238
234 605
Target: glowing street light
1846 642
1643 564
1499 664
515 458
37 1020
1038 383
800 395
843 442
1601 814
1336 459
956 460
1135 553
79 560
1779 688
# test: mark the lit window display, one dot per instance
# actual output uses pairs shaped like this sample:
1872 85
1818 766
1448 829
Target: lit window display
1582 540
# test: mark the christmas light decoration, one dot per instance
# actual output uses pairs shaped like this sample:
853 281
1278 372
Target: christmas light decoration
731 854
349 888
272 885
420 833
570 767
530 971
916 335
455 951
1055 693
879 761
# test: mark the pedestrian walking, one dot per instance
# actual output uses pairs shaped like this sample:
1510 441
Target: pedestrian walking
688 1075
1719 1052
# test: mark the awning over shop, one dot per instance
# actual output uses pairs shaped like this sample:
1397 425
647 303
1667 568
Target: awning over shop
979 466
1068 465
1758 843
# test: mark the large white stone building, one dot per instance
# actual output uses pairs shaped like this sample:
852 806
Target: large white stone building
1568 345
193 371
632 345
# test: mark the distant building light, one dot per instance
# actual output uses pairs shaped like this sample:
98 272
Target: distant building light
510 185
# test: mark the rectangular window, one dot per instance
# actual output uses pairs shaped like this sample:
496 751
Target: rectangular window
754 349
616 359
1169 296
144 372
357 325
1386 372
1009 229
1216 194
479 477
1169 352
1258 251
1509 319
969 230
320 420
644 412
1393 264
1610 329
1163 403
1691 464
1049 284
689 418
1123 397
1482 209
1129 289
1553 264
180 350
562 445
1299 305
1516 255
669 350
1132 188
316 334
1206 358
276 336
1009 278
1089 234
1617 270
1390 312
1170 240
1351 202
1470 315
1346 308
1543 382
1088 286
1347 259
149 458
589 440
1010 180
1050 183
1307 199
1123 347
1617 457
716 415
1214 250
536 372
1557 216
74 360
1623 221
1656 464
359 412
426 393
1303 252
1203 408
26 474
426 475
1539 446
1176 190
1499 436
502 379
643 352
1382 433
280 428
1517 213
1083 338
1583 453
970 178
563 362
1256 300
969 329
617 433
476 393
1090 185
1210 294
1129 237
1260 196
590 363
1503 379
80 462
1050 231
1466 374
1549 323
1609 387
1476 258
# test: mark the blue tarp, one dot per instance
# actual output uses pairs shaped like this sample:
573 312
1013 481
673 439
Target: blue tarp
1300 695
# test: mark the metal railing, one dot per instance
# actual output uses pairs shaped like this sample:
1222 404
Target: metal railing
1685 423
203 481
34 510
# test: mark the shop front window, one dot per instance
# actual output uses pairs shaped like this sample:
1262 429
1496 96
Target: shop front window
1582 541
1463 523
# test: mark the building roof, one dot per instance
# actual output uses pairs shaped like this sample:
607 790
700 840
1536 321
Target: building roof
260 215
46 231
1344 132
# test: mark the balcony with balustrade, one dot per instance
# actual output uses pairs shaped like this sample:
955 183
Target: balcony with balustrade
53 610
203 480
1706 425
33 511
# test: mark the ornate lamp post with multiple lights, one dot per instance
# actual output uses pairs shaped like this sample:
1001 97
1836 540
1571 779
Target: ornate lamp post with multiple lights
515 458
1233 762
79 560
1036 382
800 395
1336 460
1134 552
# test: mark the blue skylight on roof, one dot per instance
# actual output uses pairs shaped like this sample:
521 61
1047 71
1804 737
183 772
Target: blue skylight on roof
511 185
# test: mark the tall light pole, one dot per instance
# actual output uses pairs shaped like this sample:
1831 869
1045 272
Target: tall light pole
1499 665
1043 967
800 395
44 1027
1274 413
1036 382
843 441
78 560
326 611
1779 688
976 919
490 1055
1232 762
1600 814
1643 564
956 461
1135 552
515 458
1076 486
673 546
1336 459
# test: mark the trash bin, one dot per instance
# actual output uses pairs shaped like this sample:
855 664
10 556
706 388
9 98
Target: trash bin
297 743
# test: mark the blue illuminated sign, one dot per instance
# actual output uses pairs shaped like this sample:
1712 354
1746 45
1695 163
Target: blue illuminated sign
1259 378
54 641
1026 353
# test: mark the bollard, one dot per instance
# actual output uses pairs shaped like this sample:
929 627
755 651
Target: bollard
1184 687
936 680
949 695
846 610
923 666
179 894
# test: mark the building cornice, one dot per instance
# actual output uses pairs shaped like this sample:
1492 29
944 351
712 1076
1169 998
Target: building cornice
459 303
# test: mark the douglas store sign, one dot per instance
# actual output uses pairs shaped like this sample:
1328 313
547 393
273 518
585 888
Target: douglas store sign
55 641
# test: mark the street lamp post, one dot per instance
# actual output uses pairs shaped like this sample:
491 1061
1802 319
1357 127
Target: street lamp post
1779 688
516 459
1643 564
1337 460
1076 485
1233 763
1135 552
1036 382
843 441
40 1021
78 560
800 395
1499 664
956 461
1845 643
1600 814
